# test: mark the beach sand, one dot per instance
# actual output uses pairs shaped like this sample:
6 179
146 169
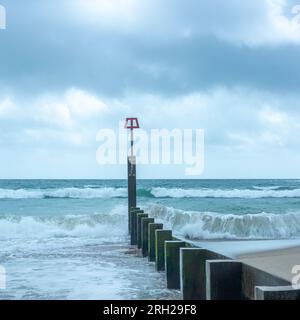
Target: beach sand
277 257
278 262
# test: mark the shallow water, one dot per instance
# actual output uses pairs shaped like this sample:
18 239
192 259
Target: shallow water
89 271
67 239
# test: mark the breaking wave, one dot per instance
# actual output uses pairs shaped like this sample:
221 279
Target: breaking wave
93 192
110 225
210 225
75 193
266 188
224 193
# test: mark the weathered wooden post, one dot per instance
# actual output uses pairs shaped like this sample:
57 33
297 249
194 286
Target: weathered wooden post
277 293
172 263
133 223
131 123
192 276
139 218
223 280
152 227
145 236
160 237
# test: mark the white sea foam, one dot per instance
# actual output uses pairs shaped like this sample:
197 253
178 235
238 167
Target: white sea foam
266 188
74 257
210 225
75 193
102 193
100 225
224 193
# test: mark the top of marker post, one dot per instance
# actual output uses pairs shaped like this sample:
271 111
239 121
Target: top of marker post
132 123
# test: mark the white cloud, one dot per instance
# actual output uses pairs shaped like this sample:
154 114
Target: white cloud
281 28
235 119
107 13
280 127
56 113
250 22
271 138
68 110
84 104
231 118
274 118
7 107
237 122
45 137
70 118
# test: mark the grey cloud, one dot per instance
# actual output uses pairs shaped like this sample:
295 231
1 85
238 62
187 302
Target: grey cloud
43 50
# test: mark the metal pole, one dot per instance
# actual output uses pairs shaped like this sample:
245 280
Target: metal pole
131 123
131 132
131 152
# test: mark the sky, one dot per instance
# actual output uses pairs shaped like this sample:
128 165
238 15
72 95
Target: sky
69 68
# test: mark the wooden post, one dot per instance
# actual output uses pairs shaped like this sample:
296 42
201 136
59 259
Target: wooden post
160 237
133 220
172 264
138 228
131 170
145 237
277 293
192 273
152 227
224 280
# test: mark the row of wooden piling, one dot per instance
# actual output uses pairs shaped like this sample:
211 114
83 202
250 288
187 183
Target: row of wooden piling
157 244
179 260
201 274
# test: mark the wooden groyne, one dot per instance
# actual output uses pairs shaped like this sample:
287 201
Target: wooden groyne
199 273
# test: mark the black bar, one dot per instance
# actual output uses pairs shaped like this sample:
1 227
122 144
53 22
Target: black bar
110 310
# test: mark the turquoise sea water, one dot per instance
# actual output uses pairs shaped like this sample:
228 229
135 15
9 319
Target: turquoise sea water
66 239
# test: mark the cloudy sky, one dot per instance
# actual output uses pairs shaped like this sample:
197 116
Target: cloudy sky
71 67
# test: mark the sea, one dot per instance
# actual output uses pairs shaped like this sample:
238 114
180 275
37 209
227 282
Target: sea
68 239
